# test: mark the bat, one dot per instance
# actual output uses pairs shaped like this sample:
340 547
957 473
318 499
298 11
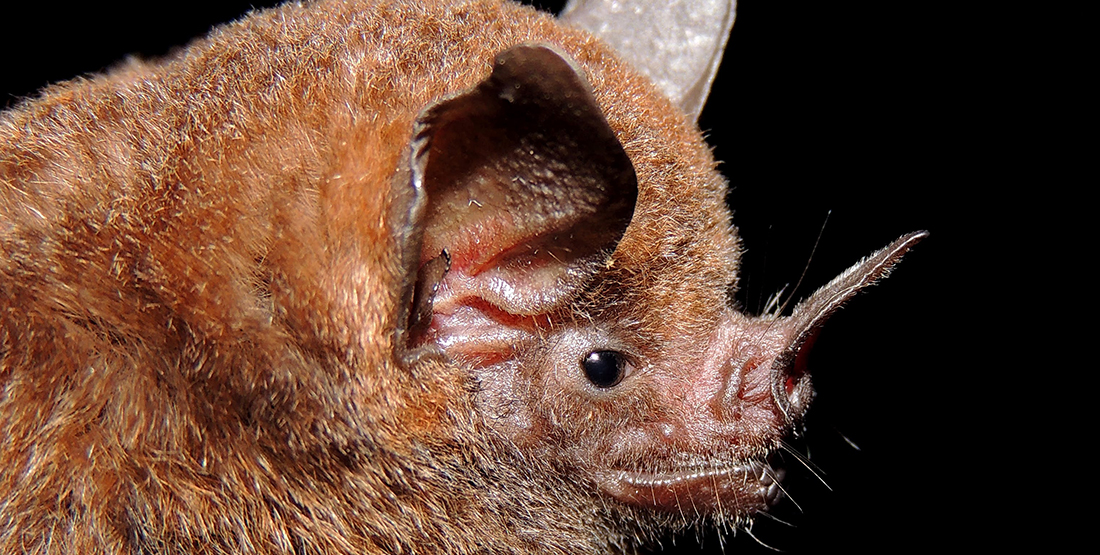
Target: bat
389 277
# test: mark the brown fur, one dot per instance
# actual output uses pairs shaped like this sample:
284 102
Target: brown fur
196 292
201 282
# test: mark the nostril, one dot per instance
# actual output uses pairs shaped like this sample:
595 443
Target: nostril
796 372
791 381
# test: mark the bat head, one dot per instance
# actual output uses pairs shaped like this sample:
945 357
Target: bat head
581 265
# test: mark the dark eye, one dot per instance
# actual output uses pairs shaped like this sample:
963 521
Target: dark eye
604 368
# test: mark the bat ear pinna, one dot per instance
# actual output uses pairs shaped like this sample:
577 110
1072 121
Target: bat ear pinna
526 186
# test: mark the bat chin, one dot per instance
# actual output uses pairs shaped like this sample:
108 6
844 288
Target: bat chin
732 491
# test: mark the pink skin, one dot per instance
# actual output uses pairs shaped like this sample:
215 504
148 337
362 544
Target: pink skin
718 419
700 395
670 436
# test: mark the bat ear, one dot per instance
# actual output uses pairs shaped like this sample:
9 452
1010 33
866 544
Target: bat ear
676 43
528 190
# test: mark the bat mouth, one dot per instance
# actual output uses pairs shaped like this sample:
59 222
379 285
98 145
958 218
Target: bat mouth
733 490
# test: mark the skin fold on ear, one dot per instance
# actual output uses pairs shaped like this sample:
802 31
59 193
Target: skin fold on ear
678 44
528 190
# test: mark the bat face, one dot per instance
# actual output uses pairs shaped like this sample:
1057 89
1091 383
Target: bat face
334 278
591 295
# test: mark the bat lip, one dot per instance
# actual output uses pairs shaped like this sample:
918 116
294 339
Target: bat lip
734 490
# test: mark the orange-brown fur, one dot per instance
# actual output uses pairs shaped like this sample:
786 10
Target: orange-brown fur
198 291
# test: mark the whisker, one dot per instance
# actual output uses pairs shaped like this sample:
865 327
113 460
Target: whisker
680 507
850 443
806 268
817 471
748 530
773 518
787 494
773 301
722 543
717 497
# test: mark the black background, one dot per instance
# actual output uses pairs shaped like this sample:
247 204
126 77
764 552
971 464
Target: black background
873 111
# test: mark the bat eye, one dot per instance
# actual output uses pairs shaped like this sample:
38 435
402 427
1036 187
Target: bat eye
604 368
